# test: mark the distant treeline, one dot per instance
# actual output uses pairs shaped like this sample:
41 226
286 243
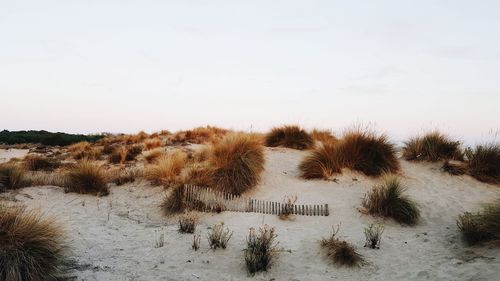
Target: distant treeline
44 137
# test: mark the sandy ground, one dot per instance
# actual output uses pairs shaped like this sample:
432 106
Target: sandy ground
6 154
113 237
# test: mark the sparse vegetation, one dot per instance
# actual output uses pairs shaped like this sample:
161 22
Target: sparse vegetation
32 248
261 250
218 237
168 168
373 235
174 201
455 169
287 207
388 200
87 177
481 226
237 162
154 155
340 251
199 135
120 176
483 162
153 143
323 136
11 176
196 242
290 136
187 223
432 147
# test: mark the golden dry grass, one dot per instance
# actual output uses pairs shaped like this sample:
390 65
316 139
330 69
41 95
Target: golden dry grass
87 177
152 143
340 251
40 163
323 136
481 226
32 247
153 155
237 162
168 168
323 162
290 136
199 135
433 146
483 163
11 176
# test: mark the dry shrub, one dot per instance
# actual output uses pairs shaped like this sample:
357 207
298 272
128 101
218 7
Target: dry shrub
32 248
39 178
481 226
287 207
290 136
168 168
366 152
137 138
133 151
323 136
108 149
174 201
432 147
237 162
79 146
154 155
153 143
11 176
39 163
187 223
261 251
121 176
483 162
322 162
199 135
199 175
119 155
455 169
218 237
87 177
388 200
83 150
373 235
340 251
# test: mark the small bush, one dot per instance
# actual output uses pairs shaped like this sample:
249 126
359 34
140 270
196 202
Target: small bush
453 169
481 226
218 237
88 178
174 202
237 162
38 163
119 155
483 162
32 248
289 136
167 170
388 200
153 143
432 147
11 176
154 155
133 151
261 250
365 152
373 235
199 135
340 252
187 223
322 162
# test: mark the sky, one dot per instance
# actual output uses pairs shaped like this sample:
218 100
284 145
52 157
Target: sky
402 67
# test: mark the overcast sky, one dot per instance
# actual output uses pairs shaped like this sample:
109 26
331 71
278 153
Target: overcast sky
124 66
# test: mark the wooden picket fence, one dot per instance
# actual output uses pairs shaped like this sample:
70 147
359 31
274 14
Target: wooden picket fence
208 200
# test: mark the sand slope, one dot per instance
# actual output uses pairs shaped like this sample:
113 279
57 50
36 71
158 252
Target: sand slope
122 248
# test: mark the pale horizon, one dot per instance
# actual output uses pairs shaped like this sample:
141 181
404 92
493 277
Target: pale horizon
124 66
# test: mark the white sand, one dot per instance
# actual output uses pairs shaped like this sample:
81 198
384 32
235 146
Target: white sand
122 248
6 154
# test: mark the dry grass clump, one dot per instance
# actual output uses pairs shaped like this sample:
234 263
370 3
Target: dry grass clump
174 201
187 223
137 138
388 200
290 136
261 250
32 248
83 150
483 162
455 169
218 237
39 163
237 162
40 178
119 155
199 135
199 175
154 155
368 153
340 251
11 176
323 136
481 226
153 143
323 161
168 168
432 147
121 176
373 235
87 177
